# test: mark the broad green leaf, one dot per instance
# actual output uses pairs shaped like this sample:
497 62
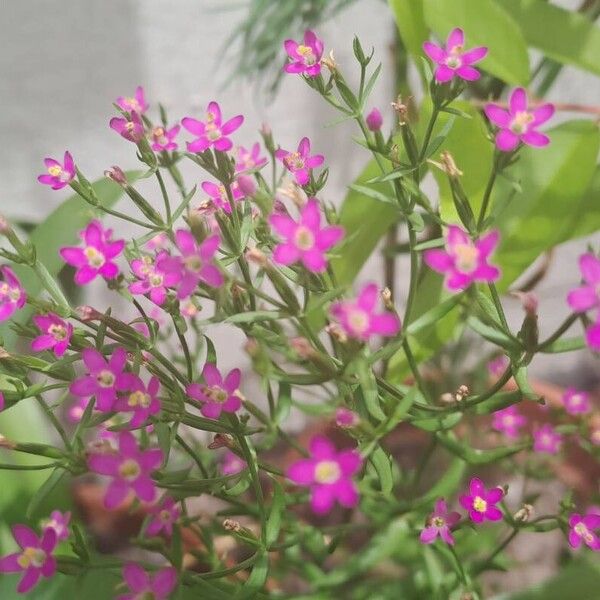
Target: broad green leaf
411 24
485 23
591 198
555 181
566 36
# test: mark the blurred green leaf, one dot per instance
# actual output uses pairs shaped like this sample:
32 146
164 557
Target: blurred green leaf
411 25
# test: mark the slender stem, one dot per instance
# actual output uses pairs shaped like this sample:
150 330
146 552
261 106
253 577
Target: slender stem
565 326
483 566
488 192
186 350
498 305
430 126
165 196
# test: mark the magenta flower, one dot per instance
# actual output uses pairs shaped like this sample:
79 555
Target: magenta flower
346 418
96 256
164 516
218 194
130 469
59 522
215 393
12 293
56 334
498 365
232 464
249 159
439 522
374 120
196 263
481 503
135 397
136 103
35 558
329 475
359 319
576 402
131 129
142 585
212 132
152 281
304 58
163 140
547 440
587 297
508 421
305 241
58 176
102 378
454 60
582 530
300 162
518 124
76 410
464 261
159 242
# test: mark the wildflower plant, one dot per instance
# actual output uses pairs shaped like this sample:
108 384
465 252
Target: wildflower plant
163 426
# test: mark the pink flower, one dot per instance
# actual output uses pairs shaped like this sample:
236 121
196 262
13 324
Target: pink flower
582 530
481 502
137 103
464 261
215 393
587 297
130 469
576 402
547 440
359 319
102 378
163 139
329 475
58 176
218 194
56 334
346 418
12 293
247 160
498 365
164 516
96 257
143 585
35 558
508 421
135 397
306 57
58 522
305 241
196 263
152 281
212 132
232 464
76 410
300 163
374 120
518 124
159 242
454 60
439 522
131 129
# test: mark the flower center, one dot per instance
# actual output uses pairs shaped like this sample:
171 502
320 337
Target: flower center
294 161
327 471
576 400
509 420
454 61
193 262
164 516
130 126
466 257
129 469
583 532
139 398
213 133
32 557
304 238
158 133
520 123
358 320
12 293
146 595
307 54
55 170
105 379
156 280
479 504
215 393
95 258
58 332
132 104
438 522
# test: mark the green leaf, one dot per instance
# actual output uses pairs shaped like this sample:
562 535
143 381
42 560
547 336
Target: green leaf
276 515
566 36
485 23
475 456
411 25
258 576
383 466
369 388
448 483
42 493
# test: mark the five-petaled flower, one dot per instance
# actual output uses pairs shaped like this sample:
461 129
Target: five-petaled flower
59 522
306 240
481 503
212 131
96 256
576 402
12 293
163 139
218 194
247 160
56 334
518 123
359 319
587 296
58 176
305 57
216 394
130 469
164 516
300 162
454 60
582 530
509 421
439 523
34 559
135 397
464 260
131 129
152 281
546 440
329 474
136 103
144 586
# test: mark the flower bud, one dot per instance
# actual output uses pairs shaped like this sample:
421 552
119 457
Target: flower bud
247 185
374 120
346 418
257 257
302 347
116 174
4 226
221 440
529 302
87 313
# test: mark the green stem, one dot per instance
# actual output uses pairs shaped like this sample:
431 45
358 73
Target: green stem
165 196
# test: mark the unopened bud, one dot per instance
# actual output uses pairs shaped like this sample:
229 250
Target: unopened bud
374 120
257 257
4 226
221 440
461 393
346 418
447 398
524 514
87 313
302 347
529 301
116 174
